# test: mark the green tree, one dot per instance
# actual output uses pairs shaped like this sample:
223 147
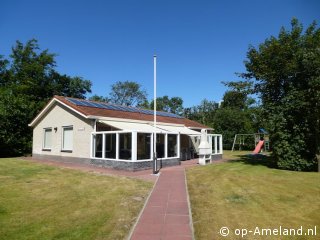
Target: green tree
172 105
231 121
98 98
234 99
238 95
127 93
27 81
286 70
203 113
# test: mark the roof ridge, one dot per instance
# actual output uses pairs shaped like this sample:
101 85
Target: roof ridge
97 113
118 105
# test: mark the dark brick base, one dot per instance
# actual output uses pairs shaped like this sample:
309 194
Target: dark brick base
216 157
120 165
61 158
133 166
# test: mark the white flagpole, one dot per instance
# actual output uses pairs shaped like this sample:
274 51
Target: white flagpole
154 114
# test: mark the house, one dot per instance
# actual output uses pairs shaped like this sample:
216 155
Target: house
120 137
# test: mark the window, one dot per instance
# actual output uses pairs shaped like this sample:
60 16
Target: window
98 145
172 145
218 145
125 146
47 139
160 145
110 145
143 146
67 138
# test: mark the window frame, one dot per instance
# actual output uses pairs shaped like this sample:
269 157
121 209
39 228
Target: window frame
44 147
62 139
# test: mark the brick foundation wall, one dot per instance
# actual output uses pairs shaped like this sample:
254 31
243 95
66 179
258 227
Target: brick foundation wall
120 165
216 157
61 158
133 166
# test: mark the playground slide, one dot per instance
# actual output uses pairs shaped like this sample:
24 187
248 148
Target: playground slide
258 147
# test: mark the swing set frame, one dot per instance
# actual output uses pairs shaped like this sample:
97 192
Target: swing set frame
256 138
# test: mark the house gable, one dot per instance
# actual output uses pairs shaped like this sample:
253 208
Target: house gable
57 117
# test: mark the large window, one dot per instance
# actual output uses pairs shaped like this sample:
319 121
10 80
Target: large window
218 144
143 146
98 146
160 145
118 145
172 145
67 138
110 145
47 139
125 146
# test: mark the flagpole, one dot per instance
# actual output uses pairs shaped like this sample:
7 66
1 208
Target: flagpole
154 114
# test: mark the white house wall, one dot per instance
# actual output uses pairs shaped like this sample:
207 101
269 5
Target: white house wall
58 117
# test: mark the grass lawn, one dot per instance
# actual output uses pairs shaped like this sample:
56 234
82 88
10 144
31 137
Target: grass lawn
44 202
247 193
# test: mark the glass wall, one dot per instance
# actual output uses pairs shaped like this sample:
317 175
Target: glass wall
125 146
218 144
119 145
172 145
110 145
98 145
143 146
160 145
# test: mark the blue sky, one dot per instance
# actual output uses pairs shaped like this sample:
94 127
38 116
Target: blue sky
198 43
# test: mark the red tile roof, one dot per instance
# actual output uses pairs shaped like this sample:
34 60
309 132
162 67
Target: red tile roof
101 112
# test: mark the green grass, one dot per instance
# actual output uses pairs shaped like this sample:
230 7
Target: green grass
43 202
247 193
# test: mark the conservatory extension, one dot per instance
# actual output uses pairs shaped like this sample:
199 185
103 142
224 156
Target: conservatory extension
120 137
128 142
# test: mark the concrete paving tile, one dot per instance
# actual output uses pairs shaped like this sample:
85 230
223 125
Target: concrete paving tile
149 228
152 219
176 219
177 229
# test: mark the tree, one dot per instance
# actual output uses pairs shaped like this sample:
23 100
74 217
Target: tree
98 98
237 114
231 121
127 93
172 105
238 95
286 71
32 72
27 81
234 99
203 113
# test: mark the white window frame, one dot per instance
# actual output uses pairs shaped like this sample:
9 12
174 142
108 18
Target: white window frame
44 147
62 139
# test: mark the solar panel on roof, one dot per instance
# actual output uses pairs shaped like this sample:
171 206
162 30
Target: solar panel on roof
76 102
108 106
131 109
104 105
99 105
122 108
144 111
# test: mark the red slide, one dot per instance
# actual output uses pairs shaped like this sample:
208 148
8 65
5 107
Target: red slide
258 147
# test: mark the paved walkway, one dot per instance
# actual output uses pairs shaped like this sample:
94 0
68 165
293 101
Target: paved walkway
166 215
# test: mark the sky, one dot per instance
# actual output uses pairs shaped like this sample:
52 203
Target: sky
198 44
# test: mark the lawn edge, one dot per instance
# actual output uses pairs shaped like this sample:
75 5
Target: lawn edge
189 204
